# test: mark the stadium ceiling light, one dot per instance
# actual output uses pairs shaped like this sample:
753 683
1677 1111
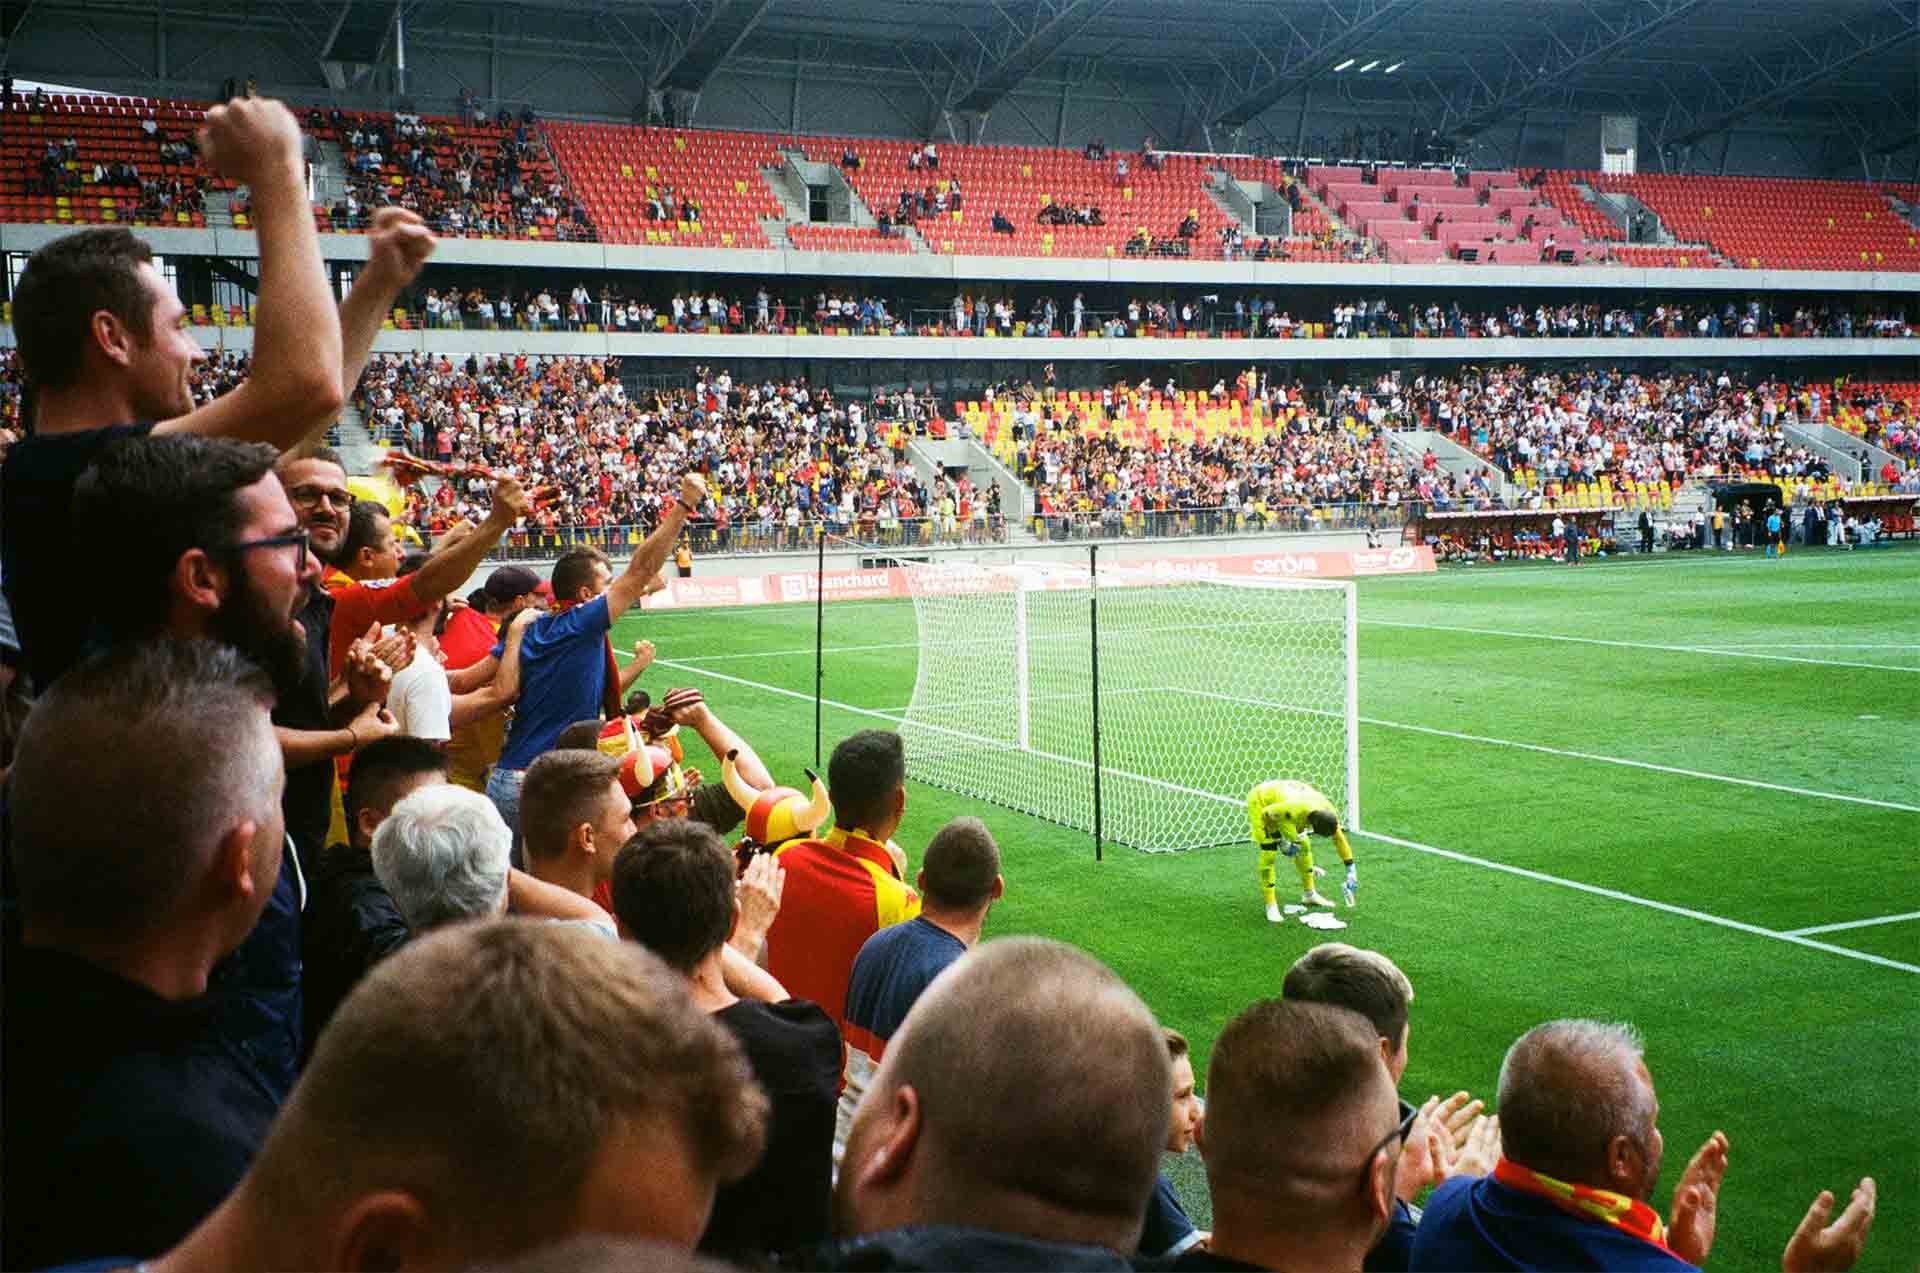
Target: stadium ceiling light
1391 69
1369 66
1344 65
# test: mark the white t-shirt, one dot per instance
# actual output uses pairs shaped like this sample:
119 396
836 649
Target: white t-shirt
421 700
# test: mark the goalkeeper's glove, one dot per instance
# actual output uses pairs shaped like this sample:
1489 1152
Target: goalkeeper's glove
1353 882
1289 849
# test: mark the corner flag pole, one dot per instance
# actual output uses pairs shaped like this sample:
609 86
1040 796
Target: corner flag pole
819 632
1093 646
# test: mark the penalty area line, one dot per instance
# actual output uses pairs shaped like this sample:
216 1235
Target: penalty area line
1723 652
1541 877
1853 923
1796 938
1570 754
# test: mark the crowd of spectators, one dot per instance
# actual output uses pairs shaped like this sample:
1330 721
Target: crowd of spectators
1559 428
559 306
63 169
480 184
783 458
780 459
1661 318
409 1024
1328 460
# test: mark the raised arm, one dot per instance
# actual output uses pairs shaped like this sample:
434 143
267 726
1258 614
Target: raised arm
474 675
499 693
293 387
398 244
453 564
720 736
654 549
529 896
748 980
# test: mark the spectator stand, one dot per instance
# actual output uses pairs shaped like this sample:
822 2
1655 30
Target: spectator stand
101 160
466 179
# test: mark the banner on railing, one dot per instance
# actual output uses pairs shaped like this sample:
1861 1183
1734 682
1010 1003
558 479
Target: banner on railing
884 582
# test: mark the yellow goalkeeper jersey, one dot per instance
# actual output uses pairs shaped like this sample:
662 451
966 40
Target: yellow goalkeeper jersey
1288 802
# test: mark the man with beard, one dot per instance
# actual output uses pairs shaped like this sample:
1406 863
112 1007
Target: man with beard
107 356
196 538
365 590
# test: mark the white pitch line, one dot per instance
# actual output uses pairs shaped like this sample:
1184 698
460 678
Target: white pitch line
1818 645
1854 923
1541 748
1794 938
1598 758
1643 764
1467 858
1720 651
832 649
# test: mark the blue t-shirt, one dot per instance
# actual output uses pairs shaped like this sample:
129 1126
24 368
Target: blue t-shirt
1168 1231
893 967
1478 1223
563 679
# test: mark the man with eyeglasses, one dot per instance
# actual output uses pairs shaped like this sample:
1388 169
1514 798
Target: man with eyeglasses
1301 1138
1444 1137
195 538
315 479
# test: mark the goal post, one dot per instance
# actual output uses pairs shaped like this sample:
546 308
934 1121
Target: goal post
1205 688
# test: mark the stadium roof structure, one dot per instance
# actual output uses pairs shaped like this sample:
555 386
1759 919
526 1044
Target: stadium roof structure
1688 69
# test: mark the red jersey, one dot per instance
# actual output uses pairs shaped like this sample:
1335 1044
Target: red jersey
470 637
841 889
358 606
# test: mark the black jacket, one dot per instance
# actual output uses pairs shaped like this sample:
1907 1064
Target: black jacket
954 1247
350 925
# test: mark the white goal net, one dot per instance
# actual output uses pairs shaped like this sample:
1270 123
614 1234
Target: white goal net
1207 687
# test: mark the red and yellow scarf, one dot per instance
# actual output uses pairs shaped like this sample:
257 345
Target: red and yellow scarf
610 697
1626 1214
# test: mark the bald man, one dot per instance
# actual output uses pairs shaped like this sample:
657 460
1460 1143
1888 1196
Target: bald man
1015 1121
1301 1138
1581 1155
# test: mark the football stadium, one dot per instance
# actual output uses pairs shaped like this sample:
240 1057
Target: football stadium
995 634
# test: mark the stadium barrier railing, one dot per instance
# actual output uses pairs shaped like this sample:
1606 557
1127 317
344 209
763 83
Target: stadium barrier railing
909 321
756 536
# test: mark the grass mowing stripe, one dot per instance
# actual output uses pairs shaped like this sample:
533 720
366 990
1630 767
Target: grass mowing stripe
1571 755
1853 923
1668 907
1721 652
1524 872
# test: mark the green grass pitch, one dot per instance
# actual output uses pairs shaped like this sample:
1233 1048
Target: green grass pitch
1771 712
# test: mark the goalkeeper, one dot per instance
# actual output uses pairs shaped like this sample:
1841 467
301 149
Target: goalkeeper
1282 813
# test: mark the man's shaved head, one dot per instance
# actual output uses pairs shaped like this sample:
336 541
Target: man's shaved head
1296 1093
1042 1085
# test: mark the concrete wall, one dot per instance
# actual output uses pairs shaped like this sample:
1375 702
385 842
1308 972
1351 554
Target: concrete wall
951 349
972 269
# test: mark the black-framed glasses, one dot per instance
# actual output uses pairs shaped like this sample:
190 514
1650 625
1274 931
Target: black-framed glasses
1401 1131
309 496
296 539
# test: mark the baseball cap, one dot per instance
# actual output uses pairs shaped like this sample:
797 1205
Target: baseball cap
508 582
